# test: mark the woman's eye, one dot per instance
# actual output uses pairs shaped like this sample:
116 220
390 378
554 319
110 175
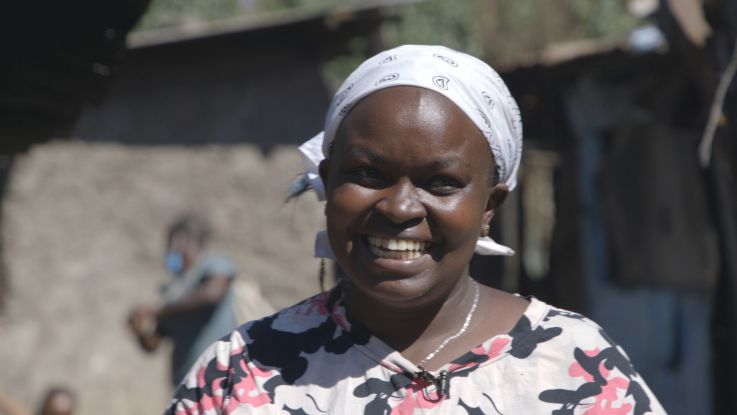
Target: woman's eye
443 185
366 175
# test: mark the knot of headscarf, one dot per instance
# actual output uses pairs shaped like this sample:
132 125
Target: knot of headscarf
467 81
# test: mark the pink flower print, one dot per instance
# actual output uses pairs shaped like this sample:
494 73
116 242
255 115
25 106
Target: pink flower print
415 399
187 408
316 305
608 397
575 370
494 350
213 400
339 315
610 392
246 391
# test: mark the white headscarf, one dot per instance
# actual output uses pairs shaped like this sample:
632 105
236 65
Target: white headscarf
467 81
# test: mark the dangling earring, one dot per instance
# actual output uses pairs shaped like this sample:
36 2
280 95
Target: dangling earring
485 230
322 274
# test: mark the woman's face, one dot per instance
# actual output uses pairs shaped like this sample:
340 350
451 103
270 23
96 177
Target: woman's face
408 190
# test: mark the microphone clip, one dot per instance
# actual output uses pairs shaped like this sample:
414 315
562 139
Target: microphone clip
441 381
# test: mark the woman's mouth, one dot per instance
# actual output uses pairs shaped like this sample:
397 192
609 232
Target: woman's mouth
396 248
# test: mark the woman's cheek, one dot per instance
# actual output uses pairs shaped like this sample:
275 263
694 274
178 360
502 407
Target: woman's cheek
345 206
345 199
458 220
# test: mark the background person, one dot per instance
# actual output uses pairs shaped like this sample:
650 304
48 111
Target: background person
57 401
197 304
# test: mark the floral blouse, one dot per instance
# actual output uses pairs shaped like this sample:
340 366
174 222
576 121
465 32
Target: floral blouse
312 359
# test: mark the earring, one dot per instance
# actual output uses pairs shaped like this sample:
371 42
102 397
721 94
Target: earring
485 230
322 274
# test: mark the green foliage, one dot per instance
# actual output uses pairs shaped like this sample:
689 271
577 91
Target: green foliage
603 18
462 24
267 5
569 18
448 23
502 31
162 13
416 24
520 29
337 69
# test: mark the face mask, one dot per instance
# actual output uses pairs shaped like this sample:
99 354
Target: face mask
174 262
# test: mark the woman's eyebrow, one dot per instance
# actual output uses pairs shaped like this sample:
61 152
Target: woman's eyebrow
450 163
441 163
361 152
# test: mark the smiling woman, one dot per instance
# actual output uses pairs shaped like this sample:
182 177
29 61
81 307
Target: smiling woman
421 145
407 168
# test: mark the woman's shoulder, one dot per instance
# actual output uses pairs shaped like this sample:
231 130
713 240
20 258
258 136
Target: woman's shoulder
297 318
549 332
579 328
583 361
555 337
290 321
566 328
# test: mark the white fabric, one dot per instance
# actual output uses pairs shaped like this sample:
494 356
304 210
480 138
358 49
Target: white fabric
311 151
467 81
322 246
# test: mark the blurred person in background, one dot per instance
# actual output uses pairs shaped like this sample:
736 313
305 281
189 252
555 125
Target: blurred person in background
197 305
58 401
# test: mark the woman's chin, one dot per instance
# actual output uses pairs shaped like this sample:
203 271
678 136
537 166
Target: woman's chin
394 280
401 292
397 282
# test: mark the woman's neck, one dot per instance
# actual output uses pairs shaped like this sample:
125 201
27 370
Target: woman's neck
413 330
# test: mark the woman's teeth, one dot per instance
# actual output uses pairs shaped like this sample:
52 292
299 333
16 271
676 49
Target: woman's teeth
391 248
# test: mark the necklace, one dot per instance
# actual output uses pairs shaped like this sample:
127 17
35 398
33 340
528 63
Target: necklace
460 332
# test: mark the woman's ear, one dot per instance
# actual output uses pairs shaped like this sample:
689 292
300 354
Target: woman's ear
497 196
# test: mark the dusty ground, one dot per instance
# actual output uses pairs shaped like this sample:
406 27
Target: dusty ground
83 235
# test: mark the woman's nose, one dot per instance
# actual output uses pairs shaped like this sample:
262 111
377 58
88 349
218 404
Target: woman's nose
401 203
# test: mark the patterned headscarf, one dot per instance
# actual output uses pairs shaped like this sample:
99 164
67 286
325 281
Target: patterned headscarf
467 81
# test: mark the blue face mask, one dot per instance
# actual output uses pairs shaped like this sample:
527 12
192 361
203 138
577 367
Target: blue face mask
174 263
